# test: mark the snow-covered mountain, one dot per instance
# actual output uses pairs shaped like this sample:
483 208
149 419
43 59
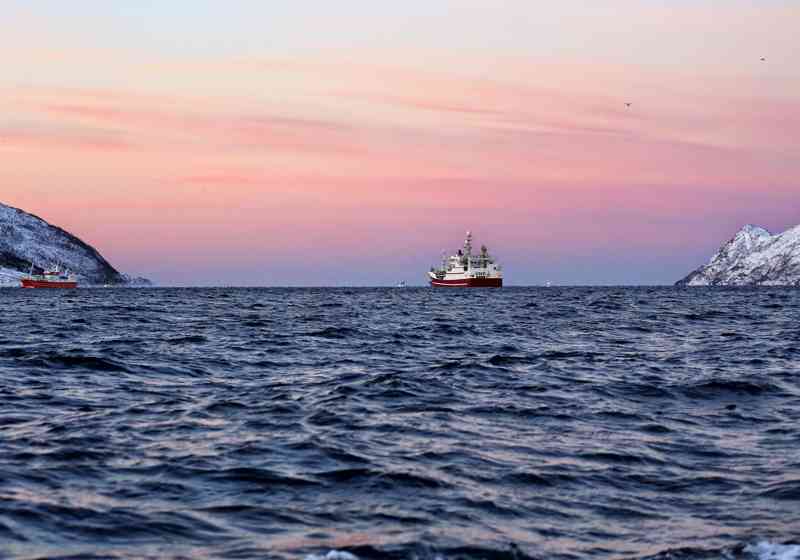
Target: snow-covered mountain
754 257
27 240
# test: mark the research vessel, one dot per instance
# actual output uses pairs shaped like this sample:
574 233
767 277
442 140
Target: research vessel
467 270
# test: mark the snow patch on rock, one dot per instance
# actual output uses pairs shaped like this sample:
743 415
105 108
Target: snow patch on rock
9 277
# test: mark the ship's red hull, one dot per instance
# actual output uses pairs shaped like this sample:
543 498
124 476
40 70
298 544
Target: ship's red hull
29 283
468 283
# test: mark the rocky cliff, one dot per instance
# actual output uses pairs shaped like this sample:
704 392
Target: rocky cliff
753 257
27 240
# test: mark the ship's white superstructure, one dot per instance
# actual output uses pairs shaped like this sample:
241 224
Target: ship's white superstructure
467 270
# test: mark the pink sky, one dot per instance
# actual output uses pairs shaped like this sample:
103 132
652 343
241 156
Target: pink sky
357 166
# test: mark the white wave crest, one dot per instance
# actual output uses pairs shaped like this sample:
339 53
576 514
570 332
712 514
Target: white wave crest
765 550
333 555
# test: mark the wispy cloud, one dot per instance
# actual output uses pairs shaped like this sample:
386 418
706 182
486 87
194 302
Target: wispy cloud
63 138
214 129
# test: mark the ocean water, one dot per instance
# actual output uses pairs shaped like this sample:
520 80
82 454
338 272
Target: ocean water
400 423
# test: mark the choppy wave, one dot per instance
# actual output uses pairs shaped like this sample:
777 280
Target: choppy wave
363 424
756 550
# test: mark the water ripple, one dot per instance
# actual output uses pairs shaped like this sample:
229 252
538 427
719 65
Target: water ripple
345 424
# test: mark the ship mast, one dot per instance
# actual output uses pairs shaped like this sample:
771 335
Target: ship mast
465 260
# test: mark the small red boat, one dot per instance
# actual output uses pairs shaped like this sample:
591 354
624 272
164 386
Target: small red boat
50 279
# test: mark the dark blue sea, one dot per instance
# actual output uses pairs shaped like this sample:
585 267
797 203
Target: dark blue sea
549 423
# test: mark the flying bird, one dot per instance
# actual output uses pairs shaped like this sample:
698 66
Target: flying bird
628 104
763 59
